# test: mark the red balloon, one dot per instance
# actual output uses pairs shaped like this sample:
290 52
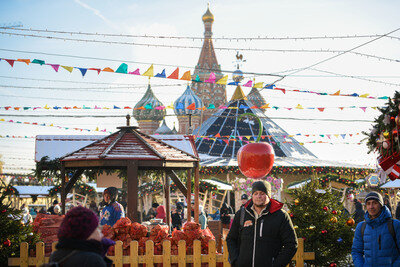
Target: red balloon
255 160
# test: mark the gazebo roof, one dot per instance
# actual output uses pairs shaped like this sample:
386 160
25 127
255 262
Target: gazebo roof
129 144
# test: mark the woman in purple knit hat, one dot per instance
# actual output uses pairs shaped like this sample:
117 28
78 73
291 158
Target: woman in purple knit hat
81 242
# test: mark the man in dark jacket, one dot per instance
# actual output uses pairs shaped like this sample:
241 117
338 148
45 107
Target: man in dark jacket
262 234
376 246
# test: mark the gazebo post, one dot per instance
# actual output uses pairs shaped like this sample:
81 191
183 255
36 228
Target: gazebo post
167 198
63 193
196 193
133 190
189 195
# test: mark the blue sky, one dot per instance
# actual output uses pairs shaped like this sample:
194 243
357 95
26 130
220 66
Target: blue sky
183 18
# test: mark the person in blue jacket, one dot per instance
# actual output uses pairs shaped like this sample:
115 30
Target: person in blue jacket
113 211
377 246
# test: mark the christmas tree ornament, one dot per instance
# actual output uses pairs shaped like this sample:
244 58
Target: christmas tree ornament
7 243
296 202
386 144
386 135
291 215
295 227
340 240
350 222
324 232
333 219
306 214
334 212
312 227
325 208
332 264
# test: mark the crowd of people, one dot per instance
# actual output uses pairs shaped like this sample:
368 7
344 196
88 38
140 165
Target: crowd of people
260 233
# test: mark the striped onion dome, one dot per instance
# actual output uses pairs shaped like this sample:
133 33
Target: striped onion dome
163 129
149 102
186 99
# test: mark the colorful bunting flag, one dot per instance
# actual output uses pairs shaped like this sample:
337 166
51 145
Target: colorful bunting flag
248 84
136 72
161 75
149 72
223 80
69 69
174 75
211 79
108 69
191 106
186 76
27 61
123 68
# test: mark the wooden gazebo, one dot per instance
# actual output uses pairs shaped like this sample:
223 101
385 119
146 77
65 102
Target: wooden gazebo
132 150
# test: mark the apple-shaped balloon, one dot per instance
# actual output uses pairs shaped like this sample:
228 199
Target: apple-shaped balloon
255 160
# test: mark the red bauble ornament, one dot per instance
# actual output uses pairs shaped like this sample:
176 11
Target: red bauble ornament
332 264
255 160
334 212
324 232
7 243
291 215
325 208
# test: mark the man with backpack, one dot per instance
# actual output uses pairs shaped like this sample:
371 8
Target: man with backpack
261 234
375 240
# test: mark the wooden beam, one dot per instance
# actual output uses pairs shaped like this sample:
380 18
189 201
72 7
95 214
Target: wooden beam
189 195
177 181
167 199
63 193
196 194
133 191
72 181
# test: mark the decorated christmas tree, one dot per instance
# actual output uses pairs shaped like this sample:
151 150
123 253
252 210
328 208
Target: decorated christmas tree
384 137
13 231
324 224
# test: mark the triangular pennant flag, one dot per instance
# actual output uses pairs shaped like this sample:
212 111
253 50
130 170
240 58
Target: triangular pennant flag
123 68
269 86
191 106
343 135
180 106
243 106
223 80
55 67
341 108
337 93
197 78
27 61
364 95
211 79
226 141
174 75
217 135
321 109
253 107
299 107
266 106
115 107
329 136
160 107
258 85
38 61
233 83
83 71
108 69
136 72
148 106
248 84
363 108
10 61
69 69
149 72
282 89
211 106
98 70
161 75
186 76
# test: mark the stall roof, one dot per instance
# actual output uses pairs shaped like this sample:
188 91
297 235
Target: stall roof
219 185
33 189
57 146
210 161
392 184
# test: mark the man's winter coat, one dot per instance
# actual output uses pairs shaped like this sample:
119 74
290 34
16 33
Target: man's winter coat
268 241
376 247
88 253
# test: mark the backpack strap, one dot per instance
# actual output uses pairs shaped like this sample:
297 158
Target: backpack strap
392 233
364 224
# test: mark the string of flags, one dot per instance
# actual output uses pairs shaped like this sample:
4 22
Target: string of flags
187 76
56 126
212 137
190 107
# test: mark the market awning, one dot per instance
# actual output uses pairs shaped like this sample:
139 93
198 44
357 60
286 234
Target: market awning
219 185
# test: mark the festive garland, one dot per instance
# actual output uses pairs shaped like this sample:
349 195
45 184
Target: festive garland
290 170
323 181
156 186
81 188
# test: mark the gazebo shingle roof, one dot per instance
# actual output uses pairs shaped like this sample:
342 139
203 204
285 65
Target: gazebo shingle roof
127 143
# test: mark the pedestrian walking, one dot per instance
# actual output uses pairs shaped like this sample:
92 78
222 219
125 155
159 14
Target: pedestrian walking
375 241
262 234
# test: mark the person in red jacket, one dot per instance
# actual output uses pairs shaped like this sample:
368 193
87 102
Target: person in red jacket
261 234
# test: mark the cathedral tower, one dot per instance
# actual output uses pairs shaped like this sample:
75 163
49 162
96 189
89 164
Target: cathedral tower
209 93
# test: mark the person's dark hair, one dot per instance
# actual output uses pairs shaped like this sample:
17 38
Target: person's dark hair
155 205
113 192
55 202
